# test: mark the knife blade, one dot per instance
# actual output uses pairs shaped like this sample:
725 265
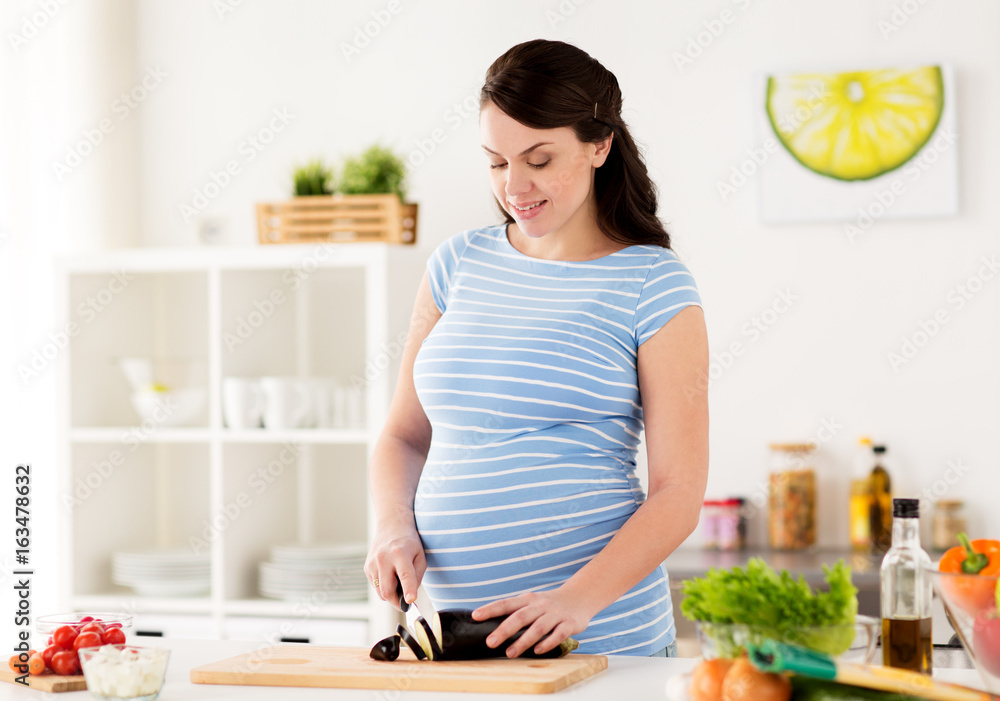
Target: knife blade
411 610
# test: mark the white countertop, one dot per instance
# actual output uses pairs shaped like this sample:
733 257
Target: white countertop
626 677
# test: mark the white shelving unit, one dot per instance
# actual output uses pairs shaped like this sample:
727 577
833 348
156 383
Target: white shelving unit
295 310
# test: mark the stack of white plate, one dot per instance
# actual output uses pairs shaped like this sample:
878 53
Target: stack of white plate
320 573
163 572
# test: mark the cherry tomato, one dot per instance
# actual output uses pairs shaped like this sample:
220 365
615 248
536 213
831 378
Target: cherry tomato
86 640
48 652
65 663
86 619
64 637
49 642
36 665
116 624
93 628
114 636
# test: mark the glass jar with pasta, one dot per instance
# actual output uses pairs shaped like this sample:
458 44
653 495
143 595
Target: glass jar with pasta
792 492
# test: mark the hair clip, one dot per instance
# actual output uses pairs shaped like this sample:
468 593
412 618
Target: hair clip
595 110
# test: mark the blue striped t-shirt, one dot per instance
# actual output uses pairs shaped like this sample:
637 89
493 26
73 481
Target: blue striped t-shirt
529 382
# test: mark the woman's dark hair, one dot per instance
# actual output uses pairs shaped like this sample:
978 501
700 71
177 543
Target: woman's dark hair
549 84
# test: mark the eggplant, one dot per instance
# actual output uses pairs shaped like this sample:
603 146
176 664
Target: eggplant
425 637
461 637
386 650
411 643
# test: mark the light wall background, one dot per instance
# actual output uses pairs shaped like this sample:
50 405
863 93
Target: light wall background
220 71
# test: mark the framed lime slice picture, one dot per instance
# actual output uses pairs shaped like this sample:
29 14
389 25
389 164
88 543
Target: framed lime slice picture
855 125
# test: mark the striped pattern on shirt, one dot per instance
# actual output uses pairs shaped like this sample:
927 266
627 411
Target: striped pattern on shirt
529 382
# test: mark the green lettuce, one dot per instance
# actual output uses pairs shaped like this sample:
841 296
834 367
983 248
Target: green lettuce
773 605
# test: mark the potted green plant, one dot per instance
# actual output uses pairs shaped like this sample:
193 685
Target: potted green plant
313 178
377 171
367 203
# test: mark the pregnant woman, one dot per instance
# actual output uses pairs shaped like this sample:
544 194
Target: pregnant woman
539 350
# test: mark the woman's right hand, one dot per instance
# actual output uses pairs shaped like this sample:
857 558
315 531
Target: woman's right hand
396 552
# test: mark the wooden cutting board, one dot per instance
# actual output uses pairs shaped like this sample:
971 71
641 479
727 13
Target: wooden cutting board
352 668
52 683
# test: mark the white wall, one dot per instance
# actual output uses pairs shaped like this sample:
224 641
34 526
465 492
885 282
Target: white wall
214 79
61 68
826 358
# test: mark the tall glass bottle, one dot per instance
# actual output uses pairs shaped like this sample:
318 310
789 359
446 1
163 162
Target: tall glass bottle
880 507
906 594
861 496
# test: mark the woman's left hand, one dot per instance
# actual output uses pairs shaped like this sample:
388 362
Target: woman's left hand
552 616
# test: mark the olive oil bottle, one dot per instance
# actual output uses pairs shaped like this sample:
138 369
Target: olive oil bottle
906 594
880 506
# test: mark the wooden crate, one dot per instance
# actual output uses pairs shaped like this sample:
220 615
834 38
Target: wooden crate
337 218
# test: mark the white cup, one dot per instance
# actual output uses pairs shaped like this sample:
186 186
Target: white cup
242 402
287 402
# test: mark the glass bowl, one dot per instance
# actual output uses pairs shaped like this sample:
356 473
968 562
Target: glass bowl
971 604
852 642
46 625
124 671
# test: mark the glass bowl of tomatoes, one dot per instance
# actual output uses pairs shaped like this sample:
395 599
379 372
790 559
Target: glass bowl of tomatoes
66 634
972 602
47 625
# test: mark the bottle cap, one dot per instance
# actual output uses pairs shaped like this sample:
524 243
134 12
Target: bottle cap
906 508
879 449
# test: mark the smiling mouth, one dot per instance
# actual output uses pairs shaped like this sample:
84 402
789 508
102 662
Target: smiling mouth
529 207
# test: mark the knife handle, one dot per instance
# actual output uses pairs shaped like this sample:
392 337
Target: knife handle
403 606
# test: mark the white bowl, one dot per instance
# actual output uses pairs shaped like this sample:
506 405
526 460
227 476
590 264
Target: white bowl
177 407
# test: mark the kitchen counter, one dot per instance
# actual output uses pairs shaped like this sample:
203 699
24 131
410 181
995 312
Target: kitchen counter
626 677
686 563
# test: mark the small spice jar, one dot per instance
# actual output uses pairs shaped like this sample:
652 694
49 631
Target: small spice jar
947 523
709 524
731 525
792 491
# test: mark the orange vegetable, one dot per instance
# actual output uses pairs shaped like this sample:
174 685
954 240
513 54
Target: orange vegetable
706 680
744 682
979 562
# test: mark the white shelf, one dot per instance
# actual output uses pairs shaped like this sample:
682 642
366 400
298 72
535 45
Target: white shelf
142 604
110 434
302 435
306 311
360 610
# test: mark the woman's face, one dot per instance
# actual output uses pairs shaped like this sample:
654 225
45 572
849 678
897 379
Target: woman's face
543 177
